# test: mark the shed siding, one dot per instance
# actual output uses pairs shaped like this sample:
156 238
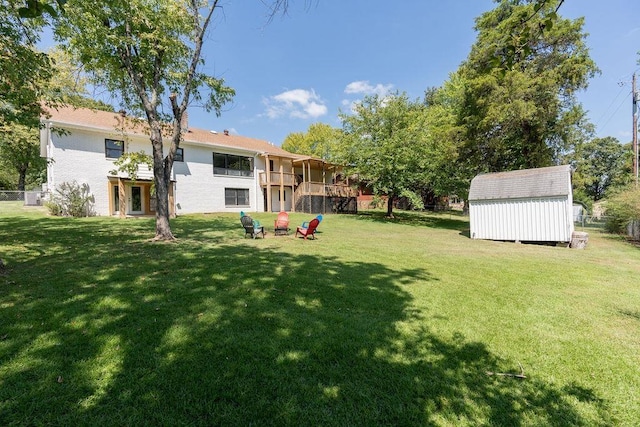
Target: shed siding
541 219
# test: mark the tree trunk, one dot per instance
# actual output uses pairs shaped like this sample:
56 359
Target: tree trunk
390 206
162 178
22 178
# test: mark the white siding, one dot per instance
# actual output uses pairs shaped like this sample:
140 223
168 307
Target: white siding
80 156
275 199
543 219
198 190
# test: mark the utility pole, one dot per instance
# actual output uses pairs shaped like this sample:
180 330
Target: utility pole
634 95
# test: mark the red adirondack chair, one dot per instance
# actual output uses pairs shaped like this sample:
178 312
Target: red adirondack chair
281 225
310 230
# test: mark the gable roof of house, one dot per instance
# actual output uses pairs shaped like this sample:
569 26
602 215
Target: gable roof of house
112 122
525 183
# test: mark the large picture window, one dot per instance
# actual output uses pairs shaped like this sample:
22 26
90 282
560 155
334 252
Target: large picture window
113 149
229 164
236 197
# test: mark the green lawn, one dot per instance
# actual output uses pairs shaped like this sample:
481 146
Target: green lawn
377 322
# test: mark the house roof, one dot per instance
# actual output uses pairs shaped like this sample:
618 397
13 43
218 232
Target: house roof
526 183
112 122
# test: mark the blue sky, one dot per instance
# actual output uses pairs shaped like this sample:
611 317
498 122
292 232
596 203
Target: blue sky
323 55
304 67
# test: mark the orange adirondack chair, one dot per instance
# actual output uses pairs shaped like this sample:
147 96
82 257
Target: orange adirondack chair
281 224
310 230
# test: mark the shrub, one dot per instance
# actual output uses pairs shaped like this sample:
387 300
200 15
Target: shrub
72 199
622 209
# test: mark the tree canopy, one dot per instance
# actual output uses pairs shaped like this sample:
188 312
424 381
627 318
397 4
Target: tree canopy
526 116
386 144
320 140
20 152
601 165
149 53
68 82
23 69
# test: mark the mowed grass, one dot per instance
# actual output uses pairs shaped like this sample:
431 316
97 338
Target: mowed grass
377 322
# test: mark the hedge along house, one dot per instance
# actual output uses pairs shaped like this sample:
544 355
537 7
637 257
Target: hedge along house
212 171
530 205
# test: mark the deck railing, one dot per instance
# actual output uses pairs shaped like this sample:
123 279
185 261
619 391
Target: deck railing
276 178
322 189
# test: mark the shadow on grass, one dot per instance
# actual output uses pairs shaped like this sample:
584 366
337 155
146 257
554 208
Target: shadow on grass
100 327
443 220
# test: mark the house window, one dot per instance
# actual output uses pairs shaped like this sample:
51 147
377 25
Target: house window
179 157
113 149
228 164
236 197
271 165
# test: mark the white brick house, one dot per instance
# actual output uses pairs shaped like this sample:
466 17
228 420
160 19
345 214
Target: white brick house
213 172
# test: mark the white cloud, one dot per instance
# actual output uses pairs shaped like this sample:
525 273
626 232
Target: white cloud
296 103
350 105
365 88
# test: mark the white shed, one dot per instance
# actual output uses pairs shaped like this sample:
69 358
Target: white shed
529 205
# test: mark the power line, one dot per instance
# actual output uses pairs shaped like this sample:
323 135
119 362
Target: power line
602 116
622 83
615 112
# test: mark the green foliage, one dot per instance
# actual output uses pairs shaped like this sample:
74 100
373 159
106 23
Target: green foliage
581 197
71 199
600 165
20 152
541 17
622 209
143 50
68 83
130 162
386 144
149 53
39 8
24 70
526 116
445 134
320 140
7 179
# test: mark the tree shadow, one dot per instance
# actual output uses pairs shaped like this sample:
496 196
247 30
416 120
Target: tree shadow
102 327
442 220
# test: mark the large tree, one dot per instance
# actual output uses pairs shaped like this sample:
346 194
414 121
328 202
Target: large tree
68 83
601 165
386 144
149 53
20 151
320 140
24 70
526 115
19 138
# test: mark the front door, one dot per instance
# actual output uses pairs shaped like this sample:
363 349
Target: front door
135 201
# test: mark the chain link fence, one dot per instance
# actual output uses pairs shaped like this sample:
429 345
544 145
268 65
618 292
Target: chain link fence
30 198
590 221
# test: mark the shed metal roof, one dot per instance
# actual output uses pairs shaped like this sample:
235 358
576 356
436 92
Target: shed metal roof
522 184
